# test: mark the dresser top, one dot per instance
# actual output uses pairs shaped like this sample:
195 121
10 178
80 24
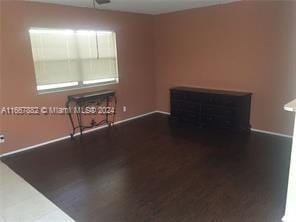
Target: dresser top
215 91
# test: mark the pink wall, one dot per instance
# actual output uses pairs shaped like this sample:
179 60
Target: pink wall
135 48
248 45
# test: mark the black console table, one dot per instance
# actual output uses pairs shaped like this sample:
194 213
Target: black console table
104 103
207 108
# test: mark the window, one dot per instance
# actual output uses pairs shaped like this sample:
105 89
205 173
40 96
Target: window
73 58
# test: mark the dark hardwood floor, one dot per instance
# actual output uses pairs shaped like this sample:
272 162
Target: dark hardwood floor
147 170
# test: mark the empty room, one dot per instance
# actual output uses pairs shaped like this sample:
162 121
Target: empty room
147 111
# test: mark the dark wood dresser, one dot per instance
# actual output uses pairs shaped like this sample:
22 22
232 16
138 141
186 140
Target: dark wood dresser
208 108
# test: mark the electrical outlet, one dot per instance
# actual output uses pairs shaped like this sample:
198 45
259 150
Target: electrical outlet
2 140
124 108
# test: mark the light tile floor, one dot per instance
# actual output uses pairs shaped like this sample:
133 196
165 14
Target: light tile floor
20 202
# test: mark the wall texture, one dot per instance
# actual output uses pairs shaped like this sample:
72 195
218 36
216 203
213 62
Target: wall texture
248 45
135 50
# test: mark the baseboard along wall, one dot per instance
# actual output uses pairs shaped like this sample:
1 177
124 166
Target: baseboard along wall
119 122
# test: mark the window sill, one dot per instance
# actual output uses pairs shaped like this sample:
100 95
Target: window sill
72 88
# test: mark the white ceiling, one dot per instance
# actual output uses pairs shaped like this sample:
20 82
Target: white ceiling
153 7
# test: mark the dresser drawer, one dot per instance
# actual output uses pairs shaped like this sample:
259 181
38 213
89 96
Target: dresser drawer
217 122
217 110
225 100
178 95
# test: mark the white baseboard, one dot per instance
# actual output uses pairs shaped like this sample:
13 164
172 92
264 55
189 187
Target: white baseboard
34 146
162 112
252 129
76 134
119 122
134 117
271 133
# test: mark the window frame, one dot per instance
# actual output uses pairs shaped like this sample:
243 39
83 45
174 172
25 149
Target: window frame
80 84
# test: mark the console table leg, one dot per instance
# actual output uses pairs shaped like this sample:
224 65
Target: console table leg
79 122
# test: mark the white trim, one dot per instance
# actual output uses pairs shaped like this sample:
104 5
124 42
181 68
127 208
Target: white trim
290 109
135 117
34 146
271 133
162 112
252 129
288 219
119 122
76 134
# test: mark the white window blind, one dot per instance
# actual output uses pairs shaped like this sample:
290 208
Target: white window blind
70 58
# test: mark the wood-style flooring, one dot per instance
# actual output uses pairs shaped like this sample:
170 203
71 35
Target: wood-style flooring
148 170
